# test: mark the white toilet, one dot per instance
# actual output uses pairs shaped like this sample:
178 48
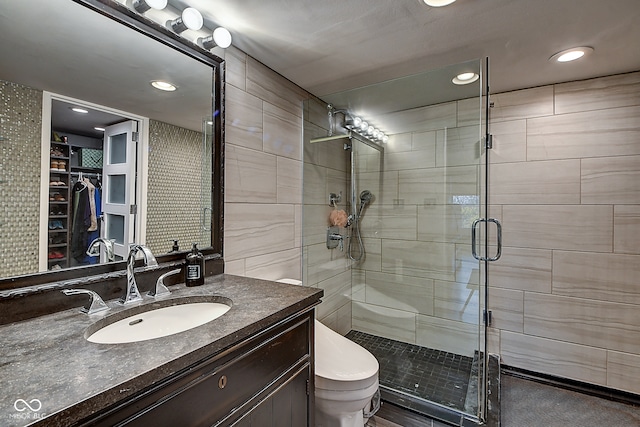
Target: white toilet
346 379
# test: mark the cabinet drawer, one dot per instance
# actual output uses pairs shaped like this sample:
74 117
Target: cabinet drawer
219 391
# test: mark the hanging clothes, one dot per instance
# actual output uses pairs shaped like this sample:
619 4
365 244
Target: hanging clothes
95 204
92 205
81 220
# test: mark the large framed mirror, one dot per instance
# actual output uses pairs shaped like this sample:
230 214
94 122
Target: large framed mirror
100 58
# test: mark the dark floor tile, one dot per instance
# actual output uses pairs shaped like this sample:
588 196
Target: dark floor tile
425 373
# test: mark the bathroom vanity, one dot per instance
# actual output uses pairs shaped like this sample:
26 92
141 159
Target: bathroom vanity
253 366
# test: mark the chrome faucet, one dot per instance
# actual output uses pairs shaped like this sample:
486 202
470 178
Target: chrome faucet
94 248
96 304
132 294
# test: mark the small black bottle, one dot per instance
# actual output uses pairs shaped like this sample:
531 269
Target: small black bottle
194 268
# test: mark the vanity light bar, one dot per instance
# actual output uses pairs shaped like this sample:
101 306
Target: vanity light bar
189 19
361 127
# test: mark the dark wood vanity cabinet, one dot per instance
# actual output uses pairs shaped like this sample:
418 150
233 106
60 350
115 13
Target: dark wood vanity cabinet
262 381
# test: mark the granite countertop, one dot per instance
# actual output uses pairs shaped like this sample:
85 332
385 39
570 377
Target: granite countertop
51 375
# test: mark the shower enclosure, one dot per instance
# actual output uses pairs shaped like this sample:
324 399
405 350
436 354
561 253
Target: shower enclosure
406 283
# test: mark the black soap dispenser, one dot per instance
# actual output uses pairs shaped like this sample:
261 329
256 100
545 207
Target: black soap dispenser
194 267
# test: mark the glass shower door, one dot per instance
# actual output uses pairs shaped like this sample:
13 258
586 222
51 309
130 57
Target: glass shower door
418 299
417 293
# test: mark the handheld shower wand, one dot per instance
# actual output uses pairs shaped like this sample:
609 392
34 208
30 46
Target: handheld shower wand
366 197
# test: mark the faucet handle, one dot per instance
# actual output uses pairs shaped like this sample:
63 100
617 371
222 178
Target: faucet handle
97 305
160 290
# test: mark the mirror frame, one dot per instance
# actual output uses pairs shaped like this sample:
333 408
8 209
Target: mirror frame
148 28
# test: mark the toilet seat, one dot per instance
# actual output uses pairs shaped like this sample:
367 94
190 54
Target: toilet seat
341 364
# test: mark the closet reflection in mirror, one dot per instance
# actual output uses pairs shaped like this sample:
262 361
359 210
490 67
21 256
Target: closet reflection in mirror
164 191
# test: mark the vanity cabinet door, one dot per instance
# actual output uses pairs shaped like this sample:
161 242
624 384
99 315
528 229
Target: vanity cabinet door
286 408
266 373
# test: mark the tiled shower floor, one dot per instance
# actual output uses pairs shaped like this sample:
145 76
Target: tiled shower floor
425 373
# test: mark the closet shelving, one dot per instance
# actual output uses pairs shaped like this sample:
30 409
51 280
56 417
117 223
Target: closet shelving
58 224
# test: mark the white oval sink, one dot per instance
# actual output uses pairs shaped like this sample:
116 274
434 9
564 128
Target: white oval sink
159 322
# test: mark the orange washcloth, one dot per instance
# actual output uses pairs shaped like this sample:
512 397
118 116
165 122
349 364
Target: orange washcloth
338 217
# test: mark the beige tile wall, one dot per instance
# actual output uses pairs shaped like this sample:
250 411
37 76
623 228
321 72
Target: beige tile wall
263 171
566 173
264 186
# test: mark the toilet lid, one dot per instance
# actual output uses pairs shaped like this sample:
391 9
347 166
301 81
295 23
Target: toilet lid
340 359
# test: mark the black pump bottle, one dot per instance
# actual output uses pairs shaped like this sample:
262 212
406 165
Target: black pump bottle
194 267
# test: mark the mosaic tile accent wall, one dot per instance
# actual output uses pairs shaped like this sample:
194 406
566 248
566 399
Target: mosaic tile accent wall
20 132
176 184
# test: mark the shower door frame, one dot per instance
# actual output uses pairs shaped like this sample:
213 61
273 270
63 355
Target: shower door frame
430 408
475 330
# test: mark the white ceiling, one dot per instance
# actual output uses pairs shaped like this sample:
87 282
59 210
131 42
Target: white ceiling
324 46
327 46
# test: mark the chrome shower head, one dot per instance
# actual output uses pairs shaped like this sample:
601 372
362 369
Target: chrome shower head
365 197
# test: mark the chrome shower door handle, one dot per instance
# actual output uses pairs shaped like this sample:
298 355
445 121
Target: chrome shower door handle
473 239
499 237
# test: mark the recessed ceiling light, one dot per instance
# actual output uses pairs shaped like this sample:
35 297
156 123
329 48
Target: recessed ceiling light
465 78
438 3
80 110
572 54
162 85
99 129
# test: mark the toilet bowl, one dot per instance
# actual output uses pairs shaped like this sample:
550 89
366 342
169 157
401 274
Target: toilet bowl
346 379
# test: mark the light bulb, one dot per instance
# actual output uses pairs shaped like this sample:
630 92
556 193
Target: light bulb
141 6
222 37
438 3
571 56
166 86
190 19
465 78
